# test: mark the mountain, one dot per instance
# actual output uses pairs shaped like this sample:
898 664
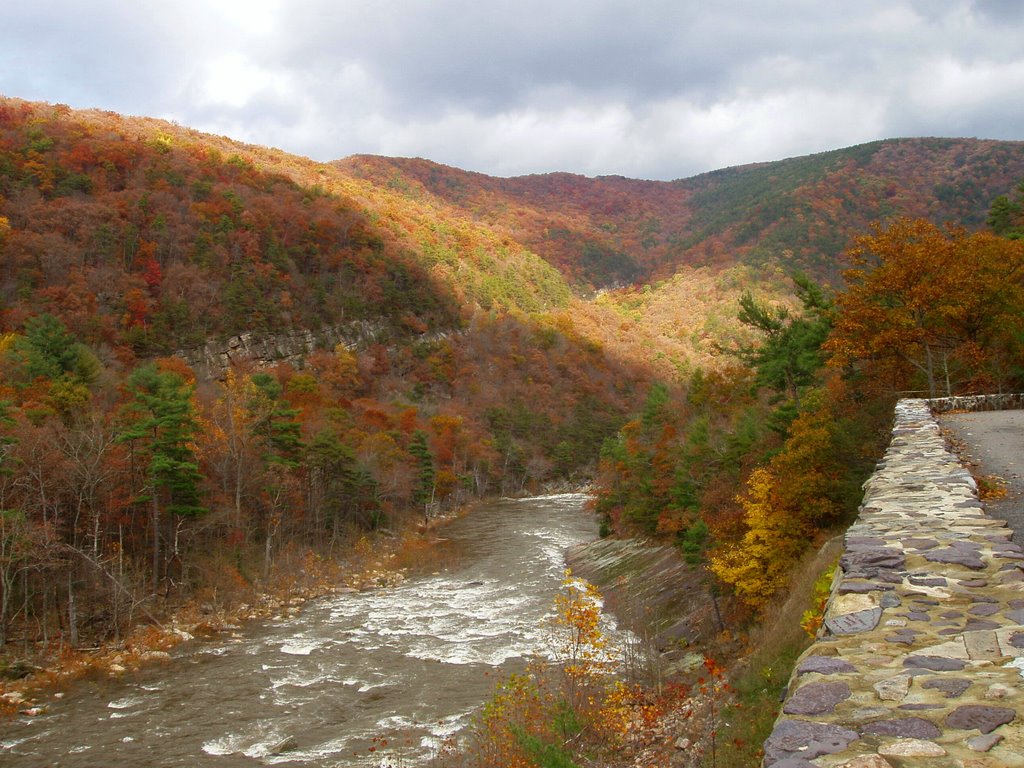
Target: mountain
209 347
801 212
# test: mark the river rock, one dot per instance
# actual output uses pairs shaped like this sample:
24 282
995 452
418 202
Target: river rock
287 744
998 691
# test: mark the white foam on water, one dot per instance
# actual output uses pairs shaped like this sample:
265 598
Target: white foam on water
364 687
217 651
125 703
301 646
310 755
300 680
396 722
225 745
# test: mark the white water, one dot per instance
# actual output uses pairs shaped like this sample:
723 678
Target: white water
408 664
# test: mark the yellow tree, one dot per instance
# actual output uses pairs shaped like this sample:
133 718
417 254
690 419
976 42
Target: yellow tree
230 445
784 504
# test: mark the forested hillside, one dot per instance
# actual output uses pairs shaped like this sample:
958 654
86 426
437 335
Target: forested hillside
470 336
127 482
802 212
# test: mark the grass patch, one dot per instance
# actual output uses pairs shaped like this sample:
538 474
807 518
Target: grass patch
759 679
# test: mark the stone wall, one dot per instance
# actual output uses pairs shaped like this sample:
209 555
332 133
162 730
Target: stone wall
1008 402
921 658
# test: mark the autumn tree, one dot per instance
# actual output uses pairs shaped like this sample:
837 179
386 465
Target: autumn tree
934 307
785 503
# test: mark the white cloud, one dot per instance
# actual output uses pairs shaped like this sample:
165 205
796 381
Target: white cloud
664 89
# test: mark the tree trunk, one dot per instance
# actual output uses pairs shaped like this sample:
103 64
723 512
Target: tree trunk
72 613
155 514
930 370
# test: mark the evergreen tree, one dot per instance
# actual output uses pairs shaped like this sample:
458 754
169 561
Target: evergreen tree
423 493
162 425
789 355
275 422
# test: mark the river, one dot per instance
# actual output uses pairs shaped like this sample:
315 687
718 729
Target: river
408 664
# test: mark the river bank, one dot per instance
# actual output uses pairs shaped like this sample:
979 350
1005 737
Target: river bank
374 561
409 664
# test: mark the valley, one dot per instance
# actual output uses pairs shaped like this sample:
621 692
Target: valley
223 364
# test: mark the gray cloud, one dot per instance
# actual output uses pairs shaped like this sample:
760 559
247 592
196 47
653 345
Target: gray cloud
661 89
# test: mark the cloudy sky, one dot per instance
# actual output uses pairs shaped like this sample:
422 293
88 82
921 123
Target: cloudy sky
645 88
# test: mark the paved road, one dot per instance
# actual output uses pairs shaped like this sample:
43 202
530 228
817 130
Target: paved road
994 442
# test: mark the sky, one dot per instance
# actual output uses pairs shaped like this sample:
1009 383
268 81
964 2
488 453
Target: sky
655 89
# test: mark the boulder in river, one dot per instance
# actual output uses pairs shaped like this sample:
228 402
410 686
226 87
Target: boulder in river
287 744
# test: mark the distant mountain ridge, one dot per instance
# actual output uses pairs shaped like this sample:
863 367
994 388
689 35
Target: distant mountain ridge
800 211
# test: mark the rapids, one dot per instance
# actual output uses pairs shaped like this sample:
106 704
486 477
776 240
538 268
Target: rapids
408 664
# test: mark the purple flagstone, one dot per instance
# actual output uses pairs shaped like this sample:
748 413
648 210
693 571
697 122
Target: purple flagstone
890 600
983 609
806 740
985 719
854 623
953 687
816 698
977 625
968 559
861 587
920 543
903 728
934 663
928 581
825 665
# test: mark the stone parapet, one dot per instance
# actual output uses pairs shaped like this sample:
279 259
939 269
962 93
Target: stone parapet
1007 402
921 656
